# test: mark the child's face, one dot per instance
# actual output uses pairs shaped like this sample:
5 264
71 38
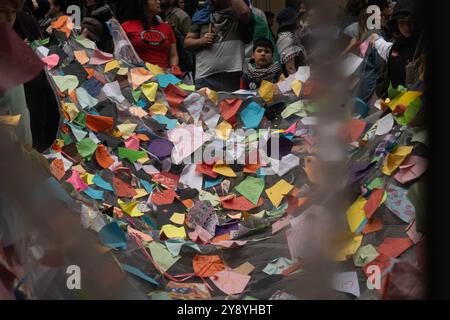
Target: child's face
406 26
262 57
8 13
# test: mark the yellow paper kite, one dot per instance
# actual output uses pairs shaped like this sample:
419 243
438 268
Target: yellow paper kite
296 87
210 94
349 248
404 99
60 143
127 129
114 64
224 170
278 192
395 159
140 193
159 108
130 208
122 71
71 110
178 218
244 269
150 90
154 69
173 232
356 214
186 87
266 91
223 130
88 178
143 159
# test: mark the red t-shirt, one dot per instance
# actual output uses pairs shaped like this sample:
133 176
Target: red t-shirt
155 54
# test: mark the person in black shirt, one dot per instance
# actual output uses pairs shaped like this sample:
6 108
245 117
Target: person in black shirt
102 12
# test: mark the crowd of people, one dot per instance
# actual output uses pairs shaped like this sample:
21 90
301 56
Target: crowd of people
227 45
224 45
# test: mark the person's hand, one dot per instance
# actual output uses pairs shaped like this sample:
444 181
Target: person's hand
354 45
374 37
276 91
176 71
207 39
49 30
27 41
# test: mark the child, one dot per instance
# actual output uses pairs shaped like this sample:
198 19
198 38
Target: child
261 67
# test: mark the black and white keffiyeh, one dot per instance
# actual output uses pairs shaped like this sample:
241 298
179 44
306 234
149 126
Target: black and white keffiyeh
289 46
269 74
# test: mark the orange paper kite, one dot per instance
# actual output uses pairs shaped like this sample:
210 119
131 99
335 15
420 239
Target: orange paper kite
102 157
207 266
99 123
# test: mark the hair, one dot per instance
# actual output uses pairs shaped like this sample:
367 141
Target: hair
357 7
100 2
291 27
18 4
135 10
61 3
326 11
363 15
362 25
293 4
168 4
382 4
354 7
263 42
28 6
42 9
269 15
288 15
190 7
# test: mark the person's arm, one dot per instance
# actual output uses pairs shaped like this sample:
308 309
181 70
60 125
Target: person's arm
194 42
173 55
382 46
290 66
353 44
185 24
243 12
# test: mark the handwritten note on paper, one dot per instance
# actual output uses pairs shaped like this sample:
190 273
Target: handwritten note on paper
347 282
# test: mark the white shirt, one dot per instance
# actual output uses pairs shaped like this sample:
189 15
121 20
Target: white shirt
384 48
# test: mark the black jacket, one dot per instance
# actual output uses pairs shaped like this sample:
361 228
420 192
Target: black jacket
103 14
